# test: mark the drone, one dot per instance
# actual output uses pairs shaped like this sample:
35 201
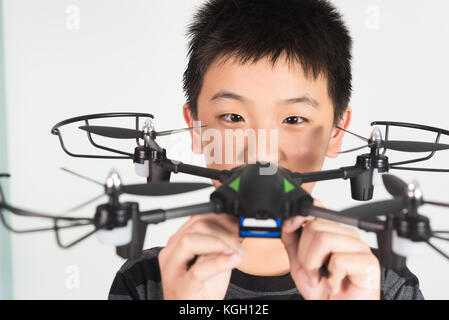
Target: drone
259 201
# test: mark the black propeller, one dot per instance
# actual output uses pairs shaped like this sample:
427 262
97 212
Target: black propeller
395 186
398 188
113 132
374 209
413 146
124 133
155 188
162 188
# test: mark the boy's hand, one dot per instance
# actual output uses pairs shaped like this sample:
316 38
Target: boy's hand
354 271
198 259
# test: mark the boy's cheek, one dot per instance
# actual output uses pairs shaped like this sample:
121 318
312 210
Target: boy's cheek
305 151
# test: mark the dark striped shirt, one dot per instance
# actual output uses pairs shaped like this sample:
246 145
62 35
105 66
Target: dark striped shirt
140 279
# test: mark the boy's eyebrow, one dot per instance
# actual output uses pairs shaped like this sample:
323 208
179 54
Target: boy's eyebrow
301 99
230 95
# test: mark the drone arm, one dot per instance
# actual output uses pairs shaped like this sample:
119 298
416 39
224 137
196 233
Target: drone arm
331 215
176 166
342 173
160 215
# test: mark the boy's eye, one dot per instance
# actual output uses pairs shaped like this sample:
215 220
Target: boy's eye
293 120
232 117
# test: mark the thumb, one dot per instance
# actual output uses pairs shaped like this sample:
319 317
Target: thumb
293 224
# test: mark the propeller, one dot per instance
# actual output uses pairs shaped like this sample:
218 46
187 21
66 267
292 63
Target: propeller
397 145
413 146
162 188
113 132
148 134
124 133
406 196
155 188
374 209
395 186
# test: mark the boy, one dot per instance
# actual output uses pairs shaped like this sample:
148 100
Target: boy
264 65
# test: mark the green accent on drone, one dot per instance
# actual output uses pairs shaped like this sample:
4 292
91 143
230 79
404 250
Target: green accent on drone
288 186
235 184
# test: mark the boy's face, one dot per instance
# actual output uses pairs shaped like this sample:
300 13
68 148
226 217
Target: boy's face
257 96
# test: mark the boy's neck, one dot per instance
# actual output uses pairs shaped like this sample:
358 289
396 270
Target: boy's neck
264 257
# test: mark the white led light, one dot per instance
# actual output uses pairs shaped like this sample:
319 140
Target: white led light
142 169
251 222
117 236
377 178
406 247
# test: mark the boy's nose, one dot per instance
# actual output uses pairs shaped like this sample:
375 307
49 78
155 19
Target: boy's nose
267 146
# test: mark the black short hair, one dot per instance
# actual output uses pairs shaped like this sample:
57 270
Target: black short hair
311 32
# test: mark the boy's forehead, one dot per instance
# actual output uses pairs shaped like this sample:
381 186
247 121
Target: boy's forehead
262 79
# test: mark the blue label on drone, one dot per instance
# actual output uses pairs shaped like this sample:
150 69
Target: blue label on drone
262 223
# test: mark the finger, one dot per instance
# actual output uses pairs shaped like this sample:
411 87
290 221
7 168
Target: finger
315 226
310 227
291 242
206 268
208 224
211 227
293 224
194 219
186 225
322 225
361 269
311 258
290 239
192 244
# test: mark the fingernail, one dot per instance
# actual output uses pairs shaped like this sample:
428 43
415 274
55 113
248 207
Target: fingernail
288 222
229 251
241 251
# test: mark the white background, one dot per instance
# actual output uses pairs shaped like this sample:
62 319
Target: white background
69 58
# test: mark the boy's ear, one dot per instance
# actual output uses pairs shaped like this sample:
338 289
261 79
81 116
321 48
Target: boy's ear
196 138
336 139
